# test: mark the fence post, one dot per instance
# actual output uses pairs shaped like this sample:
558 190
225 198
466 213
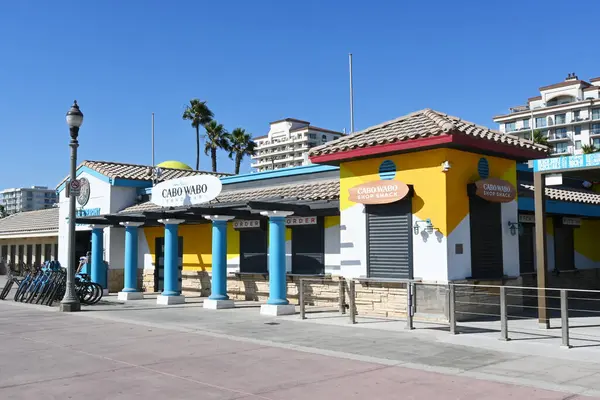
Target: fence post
301 299
564 317
503 315
452 309
342 293
409 305
352 302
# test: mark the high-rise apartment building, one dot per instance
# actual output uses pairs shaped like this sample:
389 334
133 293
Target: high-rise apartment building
567 113
287 144
27 199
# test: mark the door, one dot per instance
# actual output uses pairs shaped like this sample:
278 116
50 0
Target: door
527 248
4 254
486 239
564 248
29 254
13 260
21 254
389 240
48 253
159 270
308 248
38 254
55 252
253 251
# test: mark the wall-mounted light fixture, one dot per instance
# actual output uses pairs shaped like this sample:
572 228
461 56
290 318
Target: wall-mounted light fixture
514 227
446 166
425 225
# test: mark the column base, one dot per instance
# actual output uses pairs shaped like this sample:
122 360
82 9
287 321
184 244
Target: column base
70 307
169 300
126 296
218 304
544 325
105 292
275 310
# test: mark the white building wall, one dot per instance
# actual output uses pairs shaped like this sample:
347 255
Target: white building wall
459 265
510 242
353 238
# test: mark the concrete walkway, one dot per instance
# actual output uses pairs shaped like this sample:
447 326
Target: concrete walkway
116 351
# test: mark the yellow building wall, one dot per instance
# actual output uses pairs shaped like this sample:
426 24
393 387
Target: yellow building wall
197 245
586 239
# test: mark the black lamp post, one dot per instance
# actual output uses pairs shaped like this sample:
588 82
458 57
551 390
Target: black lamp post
70 302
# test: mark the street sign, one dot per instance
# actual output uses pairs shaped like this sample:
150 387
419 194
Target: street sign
75 187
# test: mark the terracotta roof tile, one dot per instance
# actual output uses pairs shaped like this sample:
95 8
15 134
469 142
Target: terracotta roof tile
564 194
420 124
318 190
40 221
115 170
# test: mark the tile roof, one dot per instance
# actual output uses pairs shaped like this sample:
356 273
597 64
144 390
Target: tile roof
40 221
317 190
421 124
564 194
115 170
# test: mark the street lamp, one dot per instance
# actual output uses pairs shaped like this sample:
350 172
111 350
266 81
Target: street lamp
70 302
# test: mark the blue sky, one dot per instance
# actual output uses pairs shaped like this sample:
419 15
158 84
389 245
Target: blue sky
259 61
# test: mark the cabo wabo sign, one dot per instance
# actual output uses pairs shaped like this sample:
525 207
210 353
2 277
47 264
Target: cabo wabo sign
495 190
186 191
378 192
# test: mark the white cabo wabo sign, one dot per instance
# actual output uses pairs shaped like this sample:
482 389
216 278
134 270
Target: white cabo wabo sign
186 191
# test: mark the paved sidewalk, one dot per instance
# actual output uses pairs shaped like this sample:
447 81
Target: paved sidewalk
380 345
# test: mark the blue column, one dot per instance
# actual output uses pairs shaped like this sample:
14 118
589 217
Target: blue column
219 261
98 269
171 278
277 273
131 258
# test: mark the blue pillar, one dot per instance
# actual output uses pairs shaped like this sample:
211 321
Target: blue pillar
131 257
219 260
171 277
277 272
98 269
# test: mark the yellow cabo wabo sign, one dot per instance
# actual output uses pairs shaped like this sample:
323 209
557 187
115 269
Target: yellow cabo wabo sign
495 190
378 192
186 191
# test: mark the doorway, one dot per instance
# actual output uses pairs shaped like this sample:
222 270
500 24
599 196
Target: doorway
308 248
159 270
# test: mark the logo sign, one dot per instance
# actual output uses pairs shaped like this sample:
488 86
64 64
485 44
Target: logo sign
527 219
84 192
186 191
378 192
571 221
246 223
495 190
295 221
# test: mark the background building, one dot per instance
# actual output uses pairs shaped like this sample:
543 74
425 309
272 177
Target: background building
567 113
287 144
27 199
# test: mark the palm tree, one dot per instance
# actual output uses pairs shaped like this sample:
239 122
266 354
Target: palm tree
216 138
589 149
540 138
199 113
240 145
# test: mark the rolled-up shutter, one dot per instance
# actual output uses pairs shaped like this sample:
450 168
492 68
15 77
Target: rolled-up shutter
253 251
389 240
486 239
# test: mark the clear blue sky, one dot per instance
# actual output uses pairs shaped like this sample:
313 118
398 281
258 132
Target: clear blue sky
258 61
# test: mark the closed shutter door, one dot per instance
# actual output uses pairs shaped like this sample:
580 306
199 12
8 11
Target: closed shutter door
253 251
486 239
526 248
564 248
308 245
389 240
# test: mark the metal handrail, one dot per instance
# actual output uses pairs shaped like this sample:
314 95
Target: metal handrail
341 293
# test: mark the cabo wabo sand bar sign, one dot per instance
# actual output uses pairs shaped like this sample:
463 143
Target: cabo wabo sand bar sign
495 190
378 192
186 191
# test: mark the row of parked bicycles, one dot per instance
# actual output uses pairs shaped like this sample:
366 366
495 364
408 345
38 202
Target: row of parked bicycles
47 284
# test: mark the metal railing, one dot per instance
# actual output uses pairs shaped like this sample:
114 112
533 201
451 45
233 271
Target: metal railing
510 310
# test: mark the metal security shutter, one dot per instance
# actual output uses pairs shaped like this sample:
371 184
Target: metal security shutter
486 239
308 247
564 248
389 240
253 251
526 248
